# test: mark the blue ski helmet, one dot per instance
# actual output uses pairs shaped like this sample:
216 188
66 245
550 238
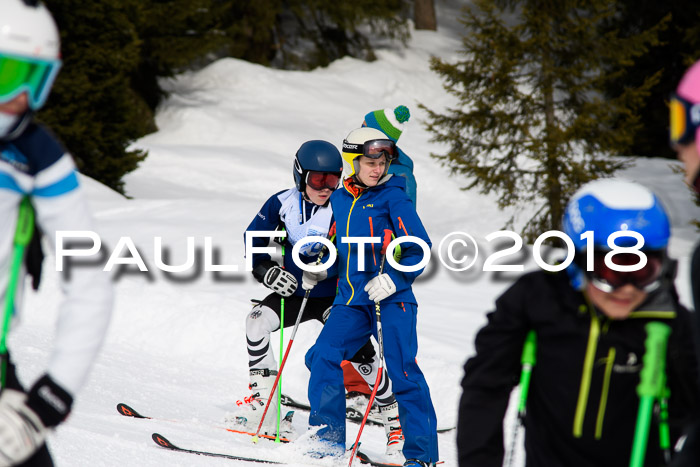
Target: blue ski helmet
612 205
315 156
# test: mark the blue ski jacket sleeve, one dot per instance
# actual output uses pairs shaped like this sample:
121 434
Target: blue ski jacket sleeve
403 167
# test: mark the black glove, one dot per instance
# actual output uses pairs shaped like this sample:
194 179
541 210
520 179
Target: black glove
281 281
26 418
50 401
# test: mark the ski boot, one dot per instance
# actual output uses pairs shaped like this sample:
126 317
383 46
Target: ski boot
250 409
417 463
392 428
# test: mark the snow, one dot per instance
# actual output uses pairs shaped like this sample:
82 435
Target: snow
228 133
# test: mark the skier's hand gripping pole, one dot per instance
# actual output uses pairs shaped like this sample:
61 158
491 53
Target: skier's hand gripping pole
380 340
651 386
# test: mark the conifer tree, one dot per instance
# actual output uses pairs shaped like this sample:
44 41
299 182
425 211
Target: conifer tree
532 123
679 47
92 107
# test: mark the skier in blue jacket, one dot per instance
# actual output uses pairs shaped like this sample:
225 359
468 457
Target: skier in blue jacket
301 211
370 202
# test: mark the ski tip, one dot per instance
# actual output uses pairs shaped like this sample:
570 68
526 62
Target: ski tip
128 411
163 441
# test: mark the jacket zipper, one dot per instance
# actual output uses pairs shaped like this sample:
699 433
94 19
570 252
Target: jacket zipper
371 234
585 388
604 393
347 234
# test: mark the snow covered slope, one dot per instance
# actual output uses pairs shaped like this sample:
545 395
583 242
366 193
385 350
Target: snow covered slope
228 134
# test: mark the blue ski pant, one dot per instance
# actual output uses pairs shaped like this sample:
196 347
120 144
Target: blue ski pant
348 329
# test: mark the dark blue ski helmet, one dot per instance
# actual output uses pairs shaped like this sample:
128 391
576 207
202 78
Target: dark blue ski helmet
315 156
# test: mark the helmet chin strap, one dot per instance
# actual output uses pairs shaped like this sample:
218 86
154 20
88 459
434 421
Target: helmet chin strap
11 126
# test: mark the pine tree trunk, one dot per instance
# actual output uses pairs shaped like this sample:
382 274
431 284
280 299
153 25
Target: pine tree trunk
424 15
553 190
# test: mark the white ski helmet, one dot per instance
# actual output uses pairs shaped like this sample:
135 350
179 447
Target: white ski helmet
29 51
353 148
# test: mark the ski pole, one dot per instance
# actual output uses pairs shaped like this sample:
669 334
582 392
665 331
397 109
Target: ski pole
279 393
380 341
664 430
286 353
651 386
528 360
23 235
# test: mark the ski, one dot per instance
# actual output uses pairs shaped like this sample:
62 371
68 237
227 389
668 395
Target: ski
351 414
127 411
162 441
365 459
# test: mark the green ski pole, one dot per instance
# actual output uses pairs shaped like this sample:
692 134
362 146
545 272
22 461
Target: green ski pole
651 386
279 392
527 360
23 235
286 354
664 430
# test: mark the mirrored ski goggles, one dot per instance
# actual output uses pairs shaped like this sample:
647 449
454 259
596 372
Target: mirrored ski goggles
684 119
645 279
33 76
373 148
322 180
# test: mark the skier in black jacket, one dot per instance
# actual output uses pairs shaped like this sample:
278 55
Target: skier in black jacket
582 405
684 138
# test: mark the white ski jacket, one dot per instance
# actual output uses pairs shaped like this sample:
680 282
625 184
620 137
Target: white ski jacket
36 165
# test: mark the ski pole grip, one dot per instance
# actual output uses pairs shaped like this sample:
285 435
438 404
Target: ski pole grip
386 240
528 360
652 380
652 376
25 223
529 349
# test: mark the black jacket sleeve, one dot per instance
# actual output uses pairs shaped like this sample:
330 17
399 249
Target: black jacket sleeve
489 377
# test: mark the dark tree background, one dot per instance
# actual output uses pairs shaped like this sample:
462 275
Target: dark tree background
679 47
532 120
114 52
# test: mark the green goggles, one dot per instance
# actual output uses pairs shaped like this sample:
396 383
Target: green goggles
33 76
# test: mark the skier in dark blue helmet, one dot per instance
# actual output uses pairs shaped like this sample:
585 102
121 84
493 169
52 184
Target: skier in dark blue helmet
301 211
582 402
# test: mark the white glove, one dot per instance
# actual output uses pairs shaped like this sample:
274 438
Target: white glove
310 279
21 430
281 281
380 288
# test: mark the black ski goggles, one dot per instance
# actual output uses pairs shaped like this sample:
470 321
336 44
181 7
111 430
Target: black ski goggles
322 180
646 279
374 149
684 119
